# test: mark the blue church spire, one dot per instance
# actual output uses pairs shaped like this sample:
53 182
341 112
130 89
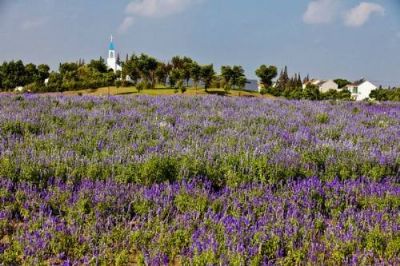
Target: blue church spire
111 46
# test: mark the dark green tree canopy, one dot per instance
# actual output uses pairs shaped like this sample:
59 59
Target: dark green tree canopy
98 65
267 74
342 83
207 74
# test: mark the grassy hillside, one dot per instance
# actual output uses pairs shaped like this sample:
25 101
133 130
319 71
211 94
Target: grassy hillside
164 91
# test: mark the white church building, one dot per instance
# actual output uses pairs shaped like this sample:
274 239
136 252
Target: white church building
112 58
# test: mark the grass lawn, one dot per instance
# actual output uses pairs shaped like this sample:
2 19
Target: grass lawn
164 91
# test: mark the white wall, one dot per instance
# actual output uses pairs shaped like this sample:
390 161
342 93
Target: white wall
363 90
328 85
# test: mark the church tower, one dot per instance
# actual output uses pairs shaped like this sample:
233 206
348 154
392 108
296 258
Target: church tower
112 60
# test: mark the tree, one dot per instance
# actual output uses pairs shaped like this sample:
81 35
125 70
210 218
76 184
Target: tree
311 92
184 64
31 74
267 74
380 94
306 79
13 74
177 62
44 72
130 68
283 81
98 65
233 76
69 72
180 86
238 77
55 82
342 83
174 76
1 78
344 94
186 69
110 79
161 73
195 73
118 59
241 83
207 74
147 67
227 75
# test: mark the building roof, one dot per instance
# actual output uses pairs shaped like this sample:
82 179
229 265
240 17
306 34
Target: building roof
317 82
358 82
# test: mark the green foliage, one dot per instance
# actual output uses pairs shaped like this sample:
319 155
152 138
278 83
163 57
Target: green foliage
393 247
322 118
185 202
386 94
122 258
147 66
205 258
263 91
14 74
207 74
158 169
342 83
143 85
195 73
311 92
181 86
375 242
233 77
98 65
267 74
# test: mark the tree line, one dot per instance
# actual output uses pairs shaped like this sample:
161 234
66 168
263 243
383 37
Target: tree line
292 87
142 71
390 94
15 74
146 72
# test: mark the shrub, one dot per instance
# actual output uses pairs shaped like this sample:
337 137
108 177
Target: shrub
322 118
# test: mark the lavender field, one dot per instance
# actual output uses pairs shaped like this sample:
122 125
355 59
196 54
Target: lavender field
198 181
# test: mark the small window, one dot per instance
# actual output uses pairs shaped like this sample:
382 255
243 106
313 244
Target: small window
355 90
111 54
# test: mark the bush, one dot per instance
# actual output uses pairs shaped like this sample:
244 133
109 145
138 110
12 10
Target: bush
118 83
158 169
263 91
322 118
143 85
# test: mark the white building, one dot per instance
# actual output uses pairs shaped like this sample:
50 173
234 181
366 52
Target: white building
112 59
323 85
361 89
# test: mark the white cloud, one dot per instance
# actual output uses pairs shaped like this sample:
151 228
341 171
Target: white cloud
33 23
359 15
153 9
126 24
320 11
157 8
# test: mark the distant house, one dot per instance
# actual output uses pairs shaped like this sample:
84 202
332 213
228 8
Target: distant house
361 89
323 85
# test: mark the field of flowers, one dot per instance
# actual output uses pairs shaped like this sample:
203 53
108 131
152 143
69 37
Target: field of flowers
198 181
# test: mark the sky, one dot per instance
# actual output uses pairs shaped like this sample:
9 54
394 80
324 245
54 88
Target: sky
326 39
